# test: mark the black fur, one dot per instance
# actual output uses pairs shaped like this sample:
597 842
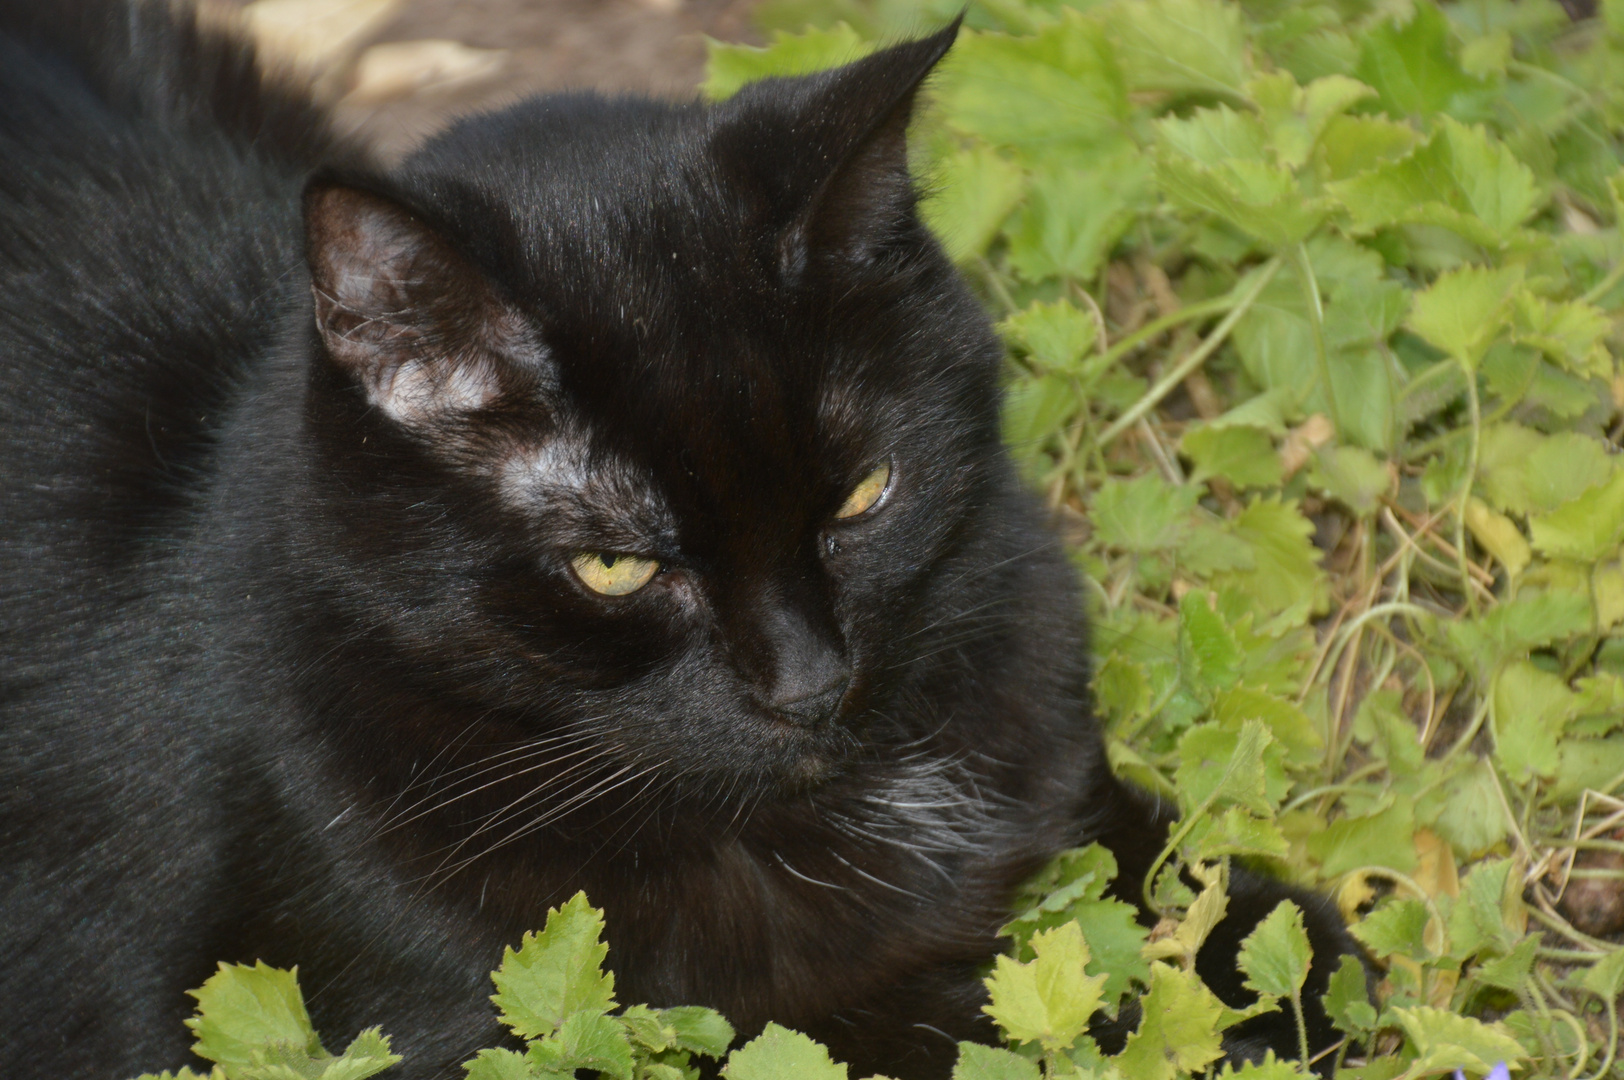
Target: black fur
295 667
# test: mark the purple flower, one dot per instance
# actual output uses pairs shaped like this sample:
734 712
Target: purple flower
1499 1072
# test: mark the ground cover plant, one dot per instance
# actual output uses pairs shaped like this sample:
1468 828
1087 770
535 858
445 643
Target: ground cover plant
1315 313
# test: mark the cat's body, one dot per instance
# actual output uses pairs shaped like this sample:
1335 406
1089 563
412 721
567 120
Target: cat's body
295 666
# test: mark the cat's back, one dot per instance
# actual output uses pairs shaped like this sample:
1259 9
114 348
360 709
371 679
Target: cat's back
148 235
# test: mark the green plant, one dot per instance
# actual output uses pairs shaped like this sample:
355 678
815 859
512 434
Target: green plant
1314 317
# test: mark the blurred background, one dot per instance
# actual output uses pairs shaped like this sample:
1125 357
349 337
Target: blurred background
396 70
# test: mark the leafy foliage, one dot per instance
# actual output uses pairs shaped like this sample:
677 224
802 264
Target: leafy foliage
1314 321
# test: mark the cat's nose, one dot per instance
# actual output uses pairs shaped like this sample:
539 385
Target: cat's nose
815 708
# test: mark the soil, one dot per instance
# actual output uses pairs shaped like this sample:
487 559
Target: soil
641 46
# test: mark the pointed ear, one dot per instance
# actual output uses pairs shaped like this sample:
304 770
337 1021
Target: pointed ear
829 152
420 328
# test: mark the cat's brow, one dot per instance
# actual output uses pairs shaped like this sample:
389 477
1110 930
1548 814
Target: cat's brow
564 479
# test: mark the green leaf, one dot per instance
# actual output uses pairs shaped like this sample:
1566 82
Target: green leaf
977 1062
1209 651
1034 410
1605 978
1078 208
1459 180
1270 1068
1463 311
1050 999
972 192
1347 999
244 1010
1242 454
1180 45
1522 471
1296 116
1384 838
591 1040
1287 723
1471 817
1448 1040
555 973
1179 1029
698 1030
1586 528
1275 955
499 1064
1225 767
1352 476
367 1055
1411 65
781 1054
1514 627
1286 585
1478 921
1397 927
1143 514
731 66
1056 337
1531 709
1214 162
1061 86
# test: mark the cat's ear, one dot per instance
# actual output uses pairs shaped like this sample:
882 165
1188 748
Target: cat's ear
830 151
421 329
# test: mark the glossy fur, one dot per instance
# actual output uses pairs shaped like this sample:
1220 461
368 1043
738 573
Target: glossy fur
294 664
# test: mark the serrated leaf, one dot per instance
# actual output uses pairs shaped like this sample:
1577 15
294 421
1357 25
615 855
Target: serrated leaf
244 1010
1056 336
1143 514
1531 709
555 973
368 1054
1077 209
1458 179
1286 585
1586 528
591 1040
1286 721
698 1030
1411 64
1449 1040
1204 913
1522 471
1397 927
1471 817
1379 839
1219 767
1242 454
1478 920
1213 162
1049 1000
1350 475
781 1054
1296 116
498 1064
971 194
1605 978
977 1062
1347 998
732 66
1516 626
1270 1068
1178 1032
1275 955
1180 45
1060 86
1511 971
1462 311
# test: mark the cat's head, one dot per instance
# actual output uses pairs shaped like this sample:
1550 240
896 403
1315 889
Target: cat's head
663 426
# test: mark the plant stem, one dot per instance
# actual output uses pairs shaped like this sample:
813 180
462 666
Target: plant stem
1170 381
1316 322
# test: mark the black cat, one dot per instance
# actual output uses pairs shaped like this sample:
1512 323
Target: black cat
611 498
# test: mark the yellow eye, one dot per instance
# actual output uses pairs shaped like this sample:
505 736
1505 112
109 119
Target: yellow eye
865 494
613 575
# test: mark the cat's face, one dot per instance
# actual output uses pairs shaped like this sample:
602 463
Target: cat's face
685 413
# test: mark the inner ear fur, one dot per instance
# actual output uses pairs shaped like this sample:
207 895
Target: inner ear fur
419 327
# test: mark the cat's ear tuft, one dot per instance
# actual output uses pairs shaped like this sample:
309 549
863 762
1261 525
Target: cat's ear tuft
830 151
420 328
